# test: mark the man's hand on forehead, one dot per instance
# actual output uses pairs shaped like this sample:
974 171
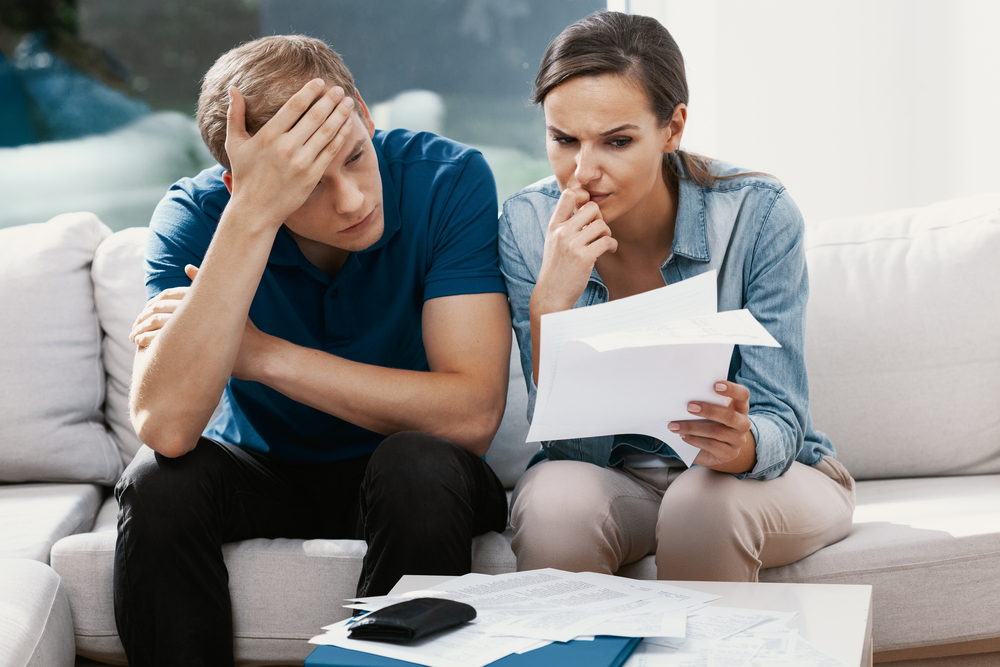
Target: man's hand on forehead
275 170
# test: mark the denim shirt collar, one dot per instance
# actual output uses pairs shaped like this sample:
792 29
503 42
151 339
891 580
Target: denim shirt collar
691 227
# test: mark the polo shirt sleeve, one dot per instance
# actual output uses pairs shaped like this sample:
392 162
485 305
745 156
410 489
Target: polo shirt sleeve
464 257
179 234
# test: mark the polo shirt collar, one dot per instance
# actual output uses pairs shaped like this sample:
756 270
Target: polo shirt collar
285 251
690 229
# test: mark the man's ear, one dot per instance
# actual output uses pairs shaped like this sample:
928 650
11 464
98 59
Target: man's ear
675 128
227 178
365 115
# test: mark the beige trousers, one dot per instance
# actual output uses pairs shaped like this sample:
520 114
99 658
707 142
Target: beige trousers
701 524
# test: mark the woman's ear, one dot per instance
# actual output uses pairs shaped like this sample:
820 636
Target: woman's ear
675 129
365 115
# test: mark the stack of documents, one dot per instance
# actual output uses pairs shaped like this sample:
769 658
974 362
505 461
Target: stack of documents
668 346
522 612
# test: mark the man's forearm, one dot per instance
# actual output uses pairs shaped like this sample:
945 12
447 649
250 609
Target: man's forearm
461 398
178 380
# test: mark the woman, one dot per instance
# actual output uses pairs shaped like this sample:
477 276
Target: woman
627 212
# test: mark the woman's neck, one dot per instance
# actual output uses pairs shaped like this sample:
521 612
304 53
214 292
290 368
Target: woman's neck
648 228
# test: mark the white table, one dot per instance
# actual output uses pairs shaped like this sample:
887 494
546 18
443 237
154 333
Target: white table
834 618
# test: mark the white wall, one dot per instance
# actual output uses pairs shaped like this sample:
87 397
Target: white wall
856 105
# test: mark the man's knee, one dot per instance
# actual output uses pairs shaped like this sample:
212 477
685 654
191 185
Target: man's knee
415 462
417 483
167 491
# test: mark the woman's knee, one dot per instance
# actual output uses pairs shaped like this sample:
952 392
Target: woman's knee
704 532
562 517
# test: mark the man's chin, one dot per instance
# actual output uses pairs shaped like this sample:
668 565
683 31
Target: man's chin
363 240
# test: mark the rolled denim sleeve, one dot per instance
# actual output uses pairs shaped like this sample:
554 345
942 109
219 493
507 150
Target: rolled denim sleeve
520 281
776 289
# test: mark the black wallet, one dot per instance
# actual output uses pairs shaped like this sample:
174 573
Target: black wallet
411 620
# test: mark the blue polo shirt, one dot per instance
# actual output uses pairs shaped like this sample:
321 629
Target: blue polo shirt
440 239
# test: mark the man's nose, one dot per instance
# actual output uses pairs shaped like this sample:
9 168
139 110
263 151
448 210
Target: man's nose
349 199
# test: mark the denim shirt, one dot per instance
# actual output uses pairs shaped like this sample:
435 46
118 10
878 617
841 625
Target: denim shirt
751 232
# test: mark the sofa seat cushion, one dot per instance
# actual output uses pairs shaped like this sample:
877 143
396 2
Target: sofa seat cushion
930 548
35 625
36 516
283 591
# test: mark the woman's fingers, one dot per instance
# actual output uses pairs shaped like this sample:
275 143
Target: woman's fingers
569 201
721 430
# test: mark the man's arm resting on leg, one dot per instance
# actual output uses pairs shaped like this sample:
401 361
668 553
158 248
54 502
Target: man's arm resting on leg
467 340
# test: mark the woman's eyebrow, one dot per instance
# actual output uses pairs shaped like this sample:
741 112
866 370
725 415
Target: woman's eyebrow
626 126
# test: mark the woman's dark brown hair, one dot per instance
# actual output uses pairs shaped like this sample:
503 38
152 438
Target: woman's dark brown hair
635 47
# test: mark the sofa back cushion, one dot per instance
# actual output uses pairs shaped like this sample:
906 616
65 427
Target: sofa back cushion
903 348
51 377
119 295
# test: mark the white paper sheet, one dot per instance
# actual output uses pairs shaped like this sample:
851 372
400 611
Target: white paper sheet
804 655
633 365
733 652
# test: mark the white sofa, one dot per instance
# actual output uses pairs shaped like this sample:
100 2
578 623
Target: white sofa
903 351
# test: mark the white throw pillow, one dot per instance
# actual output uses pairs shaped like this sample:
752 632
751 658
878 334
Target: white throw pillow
902 345
120 295
51 377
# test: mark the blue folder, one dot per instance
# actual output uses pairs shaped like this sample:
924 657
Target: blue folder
602 652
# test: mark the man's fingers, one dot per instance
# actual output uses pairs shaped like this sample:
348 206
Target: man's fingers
154 322
236 125
295 107
190 271
331 136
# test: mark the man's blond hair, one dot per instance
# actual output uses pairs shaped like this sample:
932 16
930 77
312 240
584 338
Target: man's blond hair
267 71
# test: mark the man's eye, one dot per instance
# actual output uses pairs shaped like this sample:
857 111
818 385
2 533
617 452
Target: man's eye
357 157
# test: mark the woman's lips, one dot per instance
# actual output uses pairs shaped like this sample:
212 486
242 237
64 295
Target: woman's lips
353 229
598 197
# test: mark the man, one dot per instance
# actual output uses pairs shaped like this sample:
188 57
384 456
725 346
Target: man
345 288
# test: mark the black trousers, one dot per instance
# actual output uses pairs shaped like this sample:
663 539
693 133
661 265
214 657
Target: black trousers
417 501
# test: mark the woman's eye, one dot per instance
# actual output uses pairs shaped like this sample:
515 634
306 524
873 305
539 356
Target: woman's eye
563 140
620 142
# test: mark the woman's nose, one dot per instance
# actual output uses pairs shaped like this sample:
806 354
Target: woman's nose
586 166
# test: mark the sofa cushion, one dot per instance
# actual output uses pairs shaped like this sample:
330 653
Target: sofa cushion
52 393
35 625
36 516
283 591
119 294
930 549
902 345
